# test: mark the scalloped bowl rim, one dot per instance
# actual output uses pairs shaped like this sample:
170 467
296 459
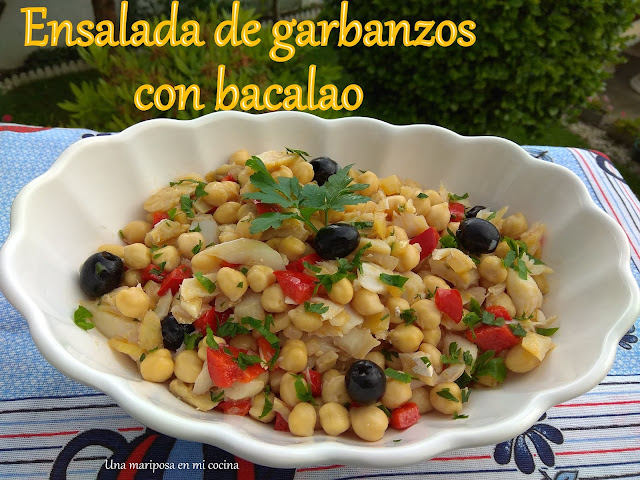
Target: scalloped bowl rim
222 434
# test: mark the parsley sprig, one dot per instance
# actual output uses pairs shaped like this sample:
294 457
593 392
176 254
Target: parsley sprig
513 259
303 392
346 269
300 153
264 330
300 201
81 318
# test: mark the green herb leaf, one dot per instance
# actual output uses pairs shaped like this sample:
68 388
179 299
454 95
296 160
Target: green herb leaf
232 329
121 234
449 241
465 394
268 405
269 336
81 318
142 357
302 153
303 392
408 316
382 319
313 268
244 270
423 195
388 354
244 361
426 361
362 225
454 354
196 229
467 358
99 268
191 340
455 198
172 213
517 330
393 280
197 248
447 395
456 416
547 332
485 365
396 375
205 282
186 204
318 308
240 285
218 398
491 217
211 342
385 410
490 319
269 220
200 192
397 440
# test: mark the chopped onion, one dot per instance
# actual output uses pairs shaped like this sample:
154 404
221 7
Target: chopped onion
246 251
238 390
451 373
203 382
208 228
357 343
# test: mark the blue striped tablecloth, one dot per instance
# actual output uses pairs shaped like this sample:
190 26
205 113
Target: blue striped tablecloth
53 427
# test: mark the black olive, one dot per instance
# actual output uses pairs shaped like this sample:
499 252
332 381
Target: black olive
473 211
365 381
101 273
323 168
478 236
173 332
337 240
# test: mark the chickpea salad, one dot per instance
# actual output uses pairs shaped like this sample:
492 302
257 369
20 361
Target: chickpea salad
316 297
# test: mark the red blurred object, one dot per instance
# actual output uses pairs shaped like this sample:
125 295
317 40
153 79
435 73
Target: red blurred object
404 416
428 241
297 286
449 301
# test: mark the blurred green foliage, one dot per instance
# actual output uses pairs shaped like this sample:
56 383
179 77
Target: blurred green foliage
532 61
107 104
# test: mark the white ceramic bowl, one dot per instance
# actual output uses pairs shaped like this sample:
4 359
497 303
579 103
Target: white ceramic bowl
98 185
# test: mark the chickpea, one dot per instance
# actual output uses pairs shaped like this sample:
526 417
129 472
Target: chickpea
406 338
431 282
444 405
260 277
187 366
188 241
399 233
371 179
428 315
397 393
439 216
502 249
334 418
232 283
291 247
288 389
134 232
328 375
376 323
303 320
390 185
369 423
303 171
293 356
117 250
408 258
502 300
157 366
341 292
167 255
432 336
377 358
514 225
366 302
137 256
396 306
216 195
245 342
491 268
226 213
423 205
302 420
335 390
420 396
257 407
272 299
434 356
132 278
280 322
519 360
283 171
239 157
275 377
132 302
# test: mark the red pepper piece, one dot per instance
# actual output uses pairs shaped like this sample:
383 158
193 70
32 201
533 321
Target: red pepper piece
211 319
174 280
265 350
281 424
297 286
224 371
147 274
499 312
228 178
159 216
449 301
314 380
297 265
457 211
266 207
404 416
492 337
224 263
428 241
235 407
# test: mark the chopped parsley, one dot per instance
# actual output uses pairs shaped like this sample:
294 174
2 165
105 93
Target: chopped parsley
211 342
517 330
218 398
513 259
142 357
393 280
268 404
454 354
303 392
81 318
385 410
121 234
318 308
491 217
547 332
301 153
185 204
208 285
408 316
244 361
362 225
232 329
244 270
426 361
423 195
197 248
99 268
465 395
196 228
172 213
396 375
270 337
200 192
447 395
345 270
191 340
486 365
383 318
456 416
388 354
240 285
449 241
455 198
